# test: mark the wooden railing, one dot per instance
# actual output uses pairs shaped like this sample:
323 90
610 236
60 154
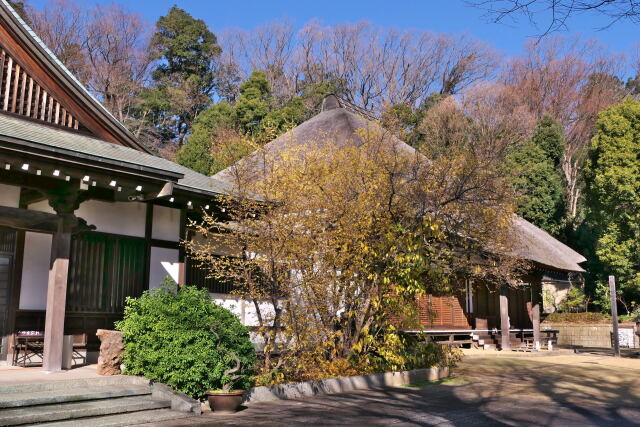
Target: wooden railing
21 94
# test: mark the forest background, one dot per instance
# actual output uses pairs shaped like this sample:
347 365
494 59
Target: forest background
205 100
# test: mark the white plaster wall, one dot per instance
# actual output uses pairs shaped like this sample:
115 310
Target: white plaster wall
127 218
42 206
9 195
35 271
553 294
166 223
244 309
163 263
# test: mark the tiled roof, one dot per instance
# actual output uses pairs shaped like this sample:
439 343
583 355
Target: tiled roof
34 132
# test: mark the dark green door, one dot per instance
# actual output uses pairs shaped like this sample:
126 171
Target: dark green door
7 247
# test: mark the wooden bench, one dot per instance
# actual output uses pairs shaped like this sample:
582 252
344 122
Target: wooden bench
451 339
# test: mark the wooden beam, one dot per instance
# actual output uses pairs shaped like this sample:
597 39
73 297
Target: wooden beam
14 89
29 95
7 85
56 298
27 220
504 317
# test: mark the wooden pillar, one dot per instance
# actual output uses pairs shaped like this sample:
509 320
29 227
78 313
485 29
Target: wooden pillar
182 274
182 256
504 317
535 314
56 298
614 315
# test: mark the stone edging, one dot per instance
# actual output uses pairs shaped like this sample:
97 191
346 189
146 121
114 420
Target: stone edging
341 385
552 324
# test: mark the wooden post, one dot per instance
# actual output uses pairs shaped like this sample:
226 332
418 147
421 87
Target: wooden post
56 298
614 316
535 316
182 274
504 317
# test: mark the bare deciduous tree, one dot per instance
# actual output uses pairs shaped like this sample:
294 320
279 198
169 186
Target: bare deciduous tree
105 47
61 24
115 46
371 66
556 13
571 80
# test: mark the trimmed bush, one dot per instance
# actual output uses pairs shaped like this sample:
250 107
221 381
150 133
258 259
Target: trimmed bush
585 317
178 336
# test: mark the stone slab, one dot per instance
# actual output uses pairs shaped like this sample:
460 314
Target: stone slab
66 411
15 400
341 385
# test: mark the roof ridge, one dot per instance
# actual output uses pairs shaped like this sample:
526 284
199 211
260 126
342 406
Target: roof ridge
349 106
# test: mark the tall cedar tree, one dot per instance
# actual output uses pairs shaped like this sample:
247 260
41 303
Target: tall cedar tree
185 78
538 176
613 196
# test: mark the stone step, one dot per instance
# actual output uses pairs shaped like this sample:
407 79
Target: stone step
73 384
15 400
129 419
75 410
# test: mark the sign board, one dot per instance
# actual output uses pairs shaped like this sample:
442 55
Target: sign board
626 337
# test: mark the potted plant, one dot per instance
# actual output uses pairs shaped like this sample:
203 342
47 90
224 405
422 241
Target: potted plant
227 400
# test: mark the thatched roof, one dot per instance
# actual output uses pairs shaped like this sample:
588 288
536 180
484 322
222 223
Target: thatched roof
338 124
535 244
335 126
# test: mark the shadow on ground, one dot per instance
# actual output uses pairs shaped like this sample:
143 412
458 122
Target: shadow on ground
556 391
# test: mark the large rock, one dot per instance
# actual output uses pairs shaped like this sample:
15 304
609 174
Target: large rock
111 348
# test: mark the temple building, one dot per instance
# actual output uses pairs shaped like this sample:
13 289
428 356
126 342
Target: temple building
88 216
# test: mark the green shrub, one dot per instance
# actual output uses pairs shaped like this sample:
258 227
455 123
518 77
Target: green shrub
422 353
585 317
179 337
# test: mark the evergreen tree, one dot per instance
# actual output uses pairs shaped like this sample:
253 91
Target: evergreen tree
538 176
196 153
613 196
184 80
253 103
224 133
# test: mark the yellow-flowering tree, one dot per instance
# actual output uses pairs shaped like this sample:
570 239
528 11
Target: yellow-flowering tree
345 238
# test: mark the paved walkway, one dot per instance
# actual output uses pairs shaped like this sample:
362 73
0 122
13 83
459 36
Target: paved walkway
15 374
561 390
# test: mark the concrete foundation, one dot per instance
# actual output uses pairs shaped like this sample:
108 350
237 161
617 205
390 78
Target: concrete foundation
587 335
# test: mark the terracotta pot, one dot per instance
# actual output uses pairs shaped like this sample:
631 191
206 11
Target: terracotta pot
225 403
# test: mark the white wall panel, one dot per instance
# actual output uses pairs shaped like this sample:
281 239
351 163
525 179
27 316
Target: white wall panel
166 223
127 218
244 309
35 271
9 196
163 263
42 206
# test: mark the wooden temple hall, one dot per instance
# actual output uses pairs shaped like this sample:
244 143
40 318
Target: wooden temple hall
88 216
480 315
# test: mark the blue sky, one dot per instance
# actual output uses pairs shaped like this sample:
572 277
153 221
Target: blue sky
453 16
